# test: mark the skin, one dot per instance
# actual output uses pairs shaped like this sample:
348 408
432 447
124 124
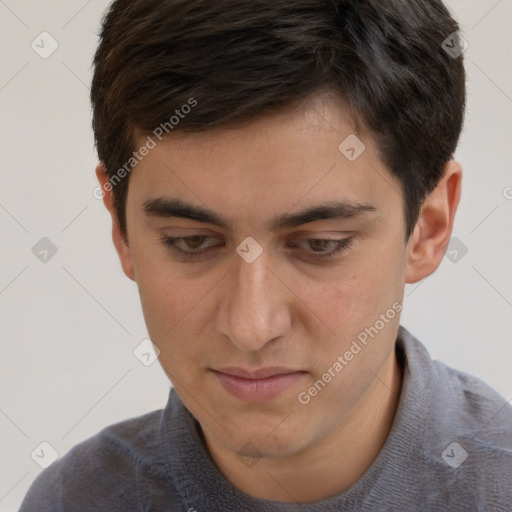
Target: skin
283 309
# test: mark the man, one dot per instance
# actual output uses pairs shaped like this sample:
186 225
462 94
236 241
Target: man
276 172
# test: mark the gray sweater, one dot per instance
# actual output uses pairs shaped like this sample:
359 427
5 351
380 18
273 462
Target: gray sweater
450 449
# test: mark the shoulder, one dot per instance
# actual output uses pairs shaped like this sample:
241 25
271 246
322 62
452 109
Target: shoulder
477 407
101 471
473 435
459 401
464 452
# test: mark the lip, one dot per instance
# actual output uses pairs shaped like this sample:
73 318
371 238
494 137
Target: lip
257 385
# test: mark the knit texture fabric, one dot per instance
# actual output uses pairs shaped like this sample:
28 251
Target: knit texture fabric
450 448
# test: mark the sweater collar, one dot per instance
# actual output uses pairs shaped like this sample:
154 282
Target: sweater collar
202 487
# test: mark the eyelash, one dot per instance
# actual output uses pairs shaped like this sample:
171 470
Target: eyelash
340 246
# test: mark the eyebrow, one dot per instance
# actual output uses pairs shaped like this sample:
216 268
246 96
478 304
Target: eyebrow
171 207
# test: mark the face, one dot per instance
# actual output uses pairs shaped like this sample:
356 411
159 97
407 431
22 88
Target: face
281 254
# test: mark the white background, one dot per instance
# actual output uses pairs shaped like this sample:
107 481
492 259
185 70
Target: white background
69 326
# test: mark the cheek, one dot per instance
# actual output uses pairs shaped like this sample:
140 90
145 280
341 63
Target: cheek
176 303
173 325
164 294
354 300
362 315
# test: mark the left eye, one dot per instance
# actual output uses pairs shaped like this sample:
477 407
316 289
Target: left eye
325 247
194 246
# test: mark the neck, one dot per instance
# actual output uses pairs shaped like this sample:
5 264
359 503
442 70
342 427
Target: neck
331 465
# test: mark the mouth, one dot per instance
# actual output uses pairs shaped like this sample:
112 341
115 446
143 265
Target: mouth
257 385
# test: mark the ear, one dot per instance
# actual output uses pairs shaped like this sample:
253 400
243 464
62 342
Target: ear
118 237
432 232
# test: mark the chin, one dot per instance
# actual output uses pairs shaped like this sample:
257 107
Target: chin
267 442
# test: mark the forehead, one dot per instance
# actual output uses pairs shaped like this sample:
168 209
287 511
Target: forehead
294 156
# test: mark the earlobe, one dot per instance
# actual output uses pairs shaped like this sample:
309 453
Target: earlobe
433 230
118 237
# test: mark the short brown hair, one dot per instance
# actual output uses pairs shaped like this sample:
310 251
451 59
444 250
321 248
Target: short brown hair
239 59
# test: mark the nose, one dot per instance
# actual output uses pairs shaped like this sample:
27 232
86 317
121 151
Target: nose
254 308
